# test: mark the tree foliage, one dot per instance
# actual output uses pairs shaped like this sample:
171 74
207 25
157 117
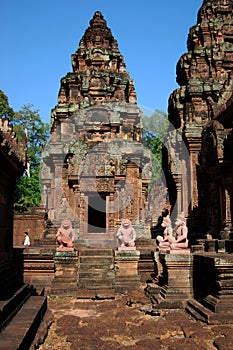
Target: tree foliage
28 188
5 110
154 129
27 192
27 123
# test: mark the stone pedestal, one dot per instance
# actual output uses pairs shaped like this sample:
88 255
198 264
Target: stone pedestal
123 248
174 286
126 264
63 250
66 269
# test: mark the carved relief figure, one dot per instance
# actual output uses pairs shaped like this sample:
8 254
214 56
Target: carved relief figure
62 95
111 167
65 235
64 204
126 235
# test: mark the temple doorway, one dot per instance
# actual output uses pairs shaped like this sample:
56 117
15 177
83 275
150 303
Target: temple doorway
97 213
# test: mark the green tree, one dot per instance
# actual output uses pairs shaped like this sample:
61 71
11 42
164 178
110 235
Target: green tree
27 122
5 110
154 129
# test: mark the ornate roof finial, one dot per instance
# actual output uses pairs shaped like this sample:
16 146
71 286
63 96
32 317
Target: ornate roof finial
98 20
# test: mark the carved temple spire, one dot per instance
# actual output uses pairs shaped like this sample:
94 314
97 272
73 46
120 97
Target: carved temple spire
96 47
215 9
98 34
201 109
204 73
99 72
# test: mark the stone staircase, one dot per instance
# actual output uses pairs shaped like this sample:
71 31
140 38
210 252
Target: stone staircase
96 274
24 319
203 311
198 311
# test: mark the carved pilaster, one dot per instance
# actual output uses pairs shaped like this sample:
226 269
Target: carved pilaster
194 146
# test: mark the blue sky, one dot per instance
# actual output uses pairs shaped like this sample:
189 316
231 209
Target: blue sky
39 36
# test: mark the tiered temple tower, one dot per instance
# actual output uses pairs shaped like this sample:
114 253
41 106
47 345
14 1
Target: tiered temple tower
201 111
95 170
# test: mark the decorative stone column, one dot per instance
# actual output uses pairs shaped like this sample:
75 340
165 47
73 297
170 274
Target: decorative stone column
178 178
126 265
228 220
194 145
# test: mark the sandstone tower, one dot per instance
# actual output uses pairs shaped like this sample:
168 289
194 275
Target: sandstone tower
95 170
201 110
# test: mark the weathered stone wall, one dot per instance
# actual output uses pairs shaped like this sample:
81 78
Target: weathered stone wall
33 222
13 161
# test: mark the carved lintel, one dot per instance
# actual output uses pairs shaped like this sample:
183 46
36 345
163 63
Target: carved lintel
97 184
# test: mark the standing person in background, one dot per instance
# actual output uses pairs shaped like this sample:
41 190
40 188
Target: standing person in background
26 238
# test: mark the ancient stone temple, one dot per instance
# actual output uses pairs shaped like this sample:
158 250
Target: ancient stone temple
201 111
22 310
95 171
13 163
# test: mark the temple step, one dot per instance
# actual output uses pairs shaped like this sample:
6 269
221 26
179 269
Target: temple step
198 311
45 242
20 331
97 241
100 260
96 273
106 293
202 313
10 306
95 252
94 283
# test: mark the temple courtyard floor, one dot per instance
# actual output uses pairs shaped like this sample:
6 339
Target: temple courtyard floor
126 323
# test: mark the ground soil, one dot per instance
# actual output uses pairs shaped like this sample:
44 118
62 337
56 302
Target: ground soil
126 323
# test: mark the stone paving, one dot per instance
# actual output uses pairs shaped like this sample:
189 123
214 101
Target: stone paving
126 323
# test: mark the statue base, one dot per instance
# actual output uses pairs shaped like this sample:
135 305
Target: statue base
124 248
174 251
174 286
65 278
64 249
127 277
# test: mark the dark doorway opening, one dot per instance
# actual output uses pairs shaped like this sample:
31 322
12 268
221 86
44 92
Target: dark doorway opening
97 213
